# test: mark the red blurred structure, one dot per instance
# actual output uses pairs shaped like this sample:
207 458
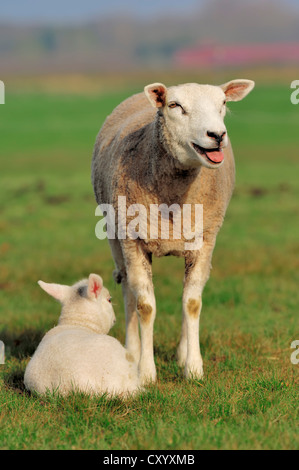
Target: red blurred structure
238 55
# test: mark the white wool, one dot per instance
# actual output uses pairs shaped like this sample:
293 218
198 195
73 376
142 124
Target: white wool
78 355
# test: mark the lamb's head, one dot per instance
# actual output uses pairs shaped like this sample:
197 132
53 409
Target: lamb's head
193 118
86 303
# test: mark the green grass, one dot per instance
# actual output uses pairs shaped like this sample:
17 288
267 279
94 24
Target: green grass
249 396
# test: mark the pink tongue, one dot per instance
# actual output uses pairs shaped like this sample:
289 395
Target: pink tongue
216 156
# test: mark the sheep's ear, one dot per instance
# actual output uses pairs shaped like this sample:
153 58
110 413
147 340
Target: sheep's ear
236 90
58 291
95 285
156 94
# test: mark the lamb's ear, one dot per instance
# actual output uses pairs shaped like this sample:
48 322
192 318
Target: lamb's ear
236 90
156 94
95 285
58 291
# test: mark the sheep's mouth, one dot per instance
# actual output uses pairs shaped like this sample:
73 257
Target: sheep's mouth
214 156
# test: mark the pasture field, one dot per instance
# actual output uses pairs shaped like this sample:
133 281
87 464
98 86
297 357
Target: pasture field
249 396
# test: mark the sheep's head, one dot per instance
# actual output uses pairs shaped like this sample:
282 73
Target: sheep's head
193 117
87 303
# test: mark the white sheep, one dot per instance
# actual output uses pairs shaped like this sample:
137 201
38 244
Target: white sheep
78 355
166 146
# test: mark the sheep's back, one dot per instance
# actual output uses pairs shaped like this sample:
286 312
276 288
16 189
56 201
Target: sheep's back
81 360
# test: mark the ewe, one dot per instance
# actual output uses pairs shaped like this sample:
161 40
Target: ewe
77 355
166 146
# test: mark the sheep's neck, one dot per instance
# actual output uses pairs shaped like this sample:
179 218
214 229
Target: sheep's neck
168 170
71 319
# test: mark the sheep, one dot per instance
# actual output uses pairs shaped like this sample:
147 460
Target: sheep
77 354
166 146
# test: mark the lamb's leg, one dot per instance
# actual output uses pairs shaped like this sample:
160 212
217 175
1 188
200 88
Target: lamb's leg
197 270
139 279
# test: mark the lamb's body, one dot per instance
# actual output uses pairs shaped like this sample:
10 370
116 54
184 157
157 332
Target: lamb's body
76 358
78 355
164 156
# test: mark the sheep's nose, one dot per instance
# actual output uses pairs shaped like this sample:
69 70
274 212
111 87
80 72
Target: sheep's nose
217 137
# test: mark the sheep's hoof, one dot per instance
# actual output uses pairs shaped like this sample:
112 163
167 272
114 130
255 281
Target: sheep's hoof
148 375
194 373
147 380
181 356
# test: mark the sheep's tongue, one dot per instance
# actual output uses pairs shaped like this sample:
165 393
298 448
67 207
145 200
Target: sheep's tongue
216 156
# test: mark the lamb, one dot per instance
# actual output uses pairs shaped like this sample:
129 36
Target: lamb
78 355
166 146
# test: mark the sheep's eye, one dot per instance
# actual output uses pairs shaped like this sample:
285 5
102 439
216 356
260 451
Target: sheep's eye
224 102
177 105
109 299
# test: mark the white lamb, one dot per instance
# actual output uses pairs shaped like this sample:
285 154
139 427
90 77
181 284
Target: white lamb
77 355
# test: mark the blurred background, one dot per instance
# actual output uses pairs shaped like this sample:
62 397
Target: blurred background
99 40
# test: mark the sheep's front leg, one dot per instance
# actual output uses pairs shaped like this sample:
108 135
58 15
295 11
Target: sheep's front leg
139 280
197 270
120 275
132 329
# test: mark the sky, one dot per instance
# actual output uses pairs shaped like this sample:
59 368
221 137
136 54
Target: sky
77 10
73 11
